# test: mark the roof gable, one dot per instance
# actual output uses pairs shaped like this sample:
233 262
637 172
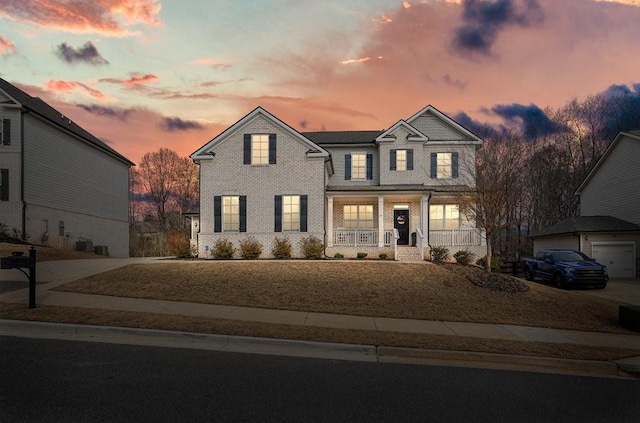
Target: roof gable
633 135
440 128
414 134
204 152
44 110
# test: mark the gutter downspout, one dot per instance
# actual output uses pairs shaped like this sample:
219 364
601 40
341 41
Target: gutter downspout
428 220
22 200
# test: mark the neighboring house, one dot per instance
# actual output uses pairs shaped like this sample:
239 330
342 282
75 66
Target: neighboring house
59 185
358 191
609 226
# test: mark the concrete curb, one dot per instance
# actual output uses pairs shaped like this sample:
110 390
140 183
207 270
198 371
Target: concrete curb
627 368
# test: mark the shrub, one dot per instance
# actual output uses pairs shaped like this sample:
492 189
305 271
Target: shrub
464 257
496 263
281 248
312 247
361 255
338 255
439 254
223 249
179 245
382 256
250 248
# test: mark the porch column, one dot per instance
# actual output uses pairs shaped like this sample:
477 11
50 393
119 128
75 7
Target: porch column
380 221
329 222
425 217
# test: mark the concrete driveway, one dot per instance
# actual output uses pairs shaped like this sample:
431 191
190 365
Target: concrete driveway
620 290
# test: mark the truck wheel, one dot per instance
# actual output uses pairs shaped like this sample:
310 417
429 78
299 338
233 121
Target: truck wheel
528 274
558 280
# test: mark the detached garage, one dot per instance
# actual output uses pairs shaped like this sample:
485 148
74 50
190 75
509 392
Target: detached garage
611 241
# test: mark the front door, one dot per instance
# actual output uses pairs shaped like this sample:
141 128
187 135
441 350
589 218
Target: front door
401 223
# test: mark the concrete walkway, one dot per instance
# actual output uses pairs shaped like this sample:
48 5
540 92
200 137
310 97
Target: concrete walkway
56 273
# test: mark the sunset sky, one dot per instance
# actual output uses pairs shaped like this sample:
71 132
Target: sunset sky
146 74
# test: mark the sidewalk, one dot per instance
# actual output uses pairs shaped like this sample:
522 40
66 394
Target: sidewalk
57 273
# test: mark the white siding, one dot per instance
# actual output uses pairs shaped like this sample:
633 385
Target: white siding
562 242
614 190
62 172
11 211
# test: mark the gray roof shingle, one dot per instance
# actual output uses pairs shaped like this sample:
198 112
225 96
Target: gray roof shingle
342 137
581 224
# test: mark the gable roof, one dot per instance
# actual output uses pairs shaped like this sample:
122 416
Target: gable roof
635 134
45 111
203 152
581 224
414 134
343 137
455 125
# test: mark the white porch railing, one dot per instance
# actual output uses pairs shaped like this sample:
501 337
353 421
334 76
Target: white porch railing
364 237
456 237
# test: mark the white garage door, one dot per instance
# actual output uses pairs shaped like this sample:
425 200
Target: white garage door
619 259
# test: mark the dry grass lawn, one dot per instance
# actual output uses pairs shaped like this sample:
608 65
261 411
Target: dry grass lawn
371 288
45 253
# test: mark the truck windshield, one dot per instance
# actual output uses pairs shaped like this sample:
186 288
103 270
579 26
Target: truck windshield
568 256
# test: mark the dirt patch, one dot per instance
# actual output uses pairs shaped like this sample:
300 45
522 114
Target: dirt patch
493 281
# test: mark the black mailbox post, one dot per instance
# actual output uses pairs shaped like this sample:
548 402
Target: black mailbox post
20 262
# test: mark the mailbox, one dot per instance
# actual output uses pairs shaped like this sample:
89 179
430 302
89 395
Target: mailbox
16 262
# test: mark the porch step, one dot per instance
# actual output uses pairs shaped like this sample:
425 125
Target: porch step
409 254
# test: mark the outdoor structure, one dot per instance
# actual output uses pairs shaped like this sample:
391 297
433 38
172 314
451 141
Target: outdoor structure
59 185
358 191
609 226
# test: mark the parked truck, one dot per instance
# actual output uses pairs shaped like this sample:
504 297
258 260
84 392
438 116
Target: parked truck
564 268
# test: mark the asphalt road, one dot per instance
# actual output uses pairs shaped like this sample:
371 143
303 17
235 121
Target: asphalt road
67 381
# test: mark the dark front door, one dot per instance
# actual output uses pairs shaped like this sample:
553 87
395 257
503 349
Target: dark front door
401 223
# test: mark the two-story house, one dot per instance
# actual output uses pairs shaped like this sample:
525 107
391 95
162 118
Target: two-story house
358 191
59 185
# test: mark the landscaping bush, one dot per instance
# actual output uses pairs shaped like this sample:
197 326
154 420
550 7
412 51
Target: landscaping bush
179 245
464 257
281 248
223 249
250 248
439 254
361 255
338 255
382 256
496 263
312 247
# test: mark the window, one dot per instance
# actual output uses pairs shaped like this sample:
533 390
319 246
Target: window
5 132
358 166
401 160
444 165
444 216
290 213
4 184
259 149
358 216
230 213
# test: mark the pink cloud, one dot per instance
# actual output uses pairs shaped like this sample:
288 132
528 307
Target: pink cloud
105 17
68 86
135 79
6 46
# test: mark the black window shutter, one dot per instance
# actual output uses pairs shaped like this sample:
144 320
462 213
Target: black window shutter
217 214
272 148
4 184
392 160
434 165
247 148
410 159
6 132
369 166
243 213
454 165
347 167
277 213
303 213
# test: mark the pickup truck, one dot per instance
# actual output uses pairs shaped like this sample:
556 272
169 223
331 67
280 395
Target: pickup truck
565 267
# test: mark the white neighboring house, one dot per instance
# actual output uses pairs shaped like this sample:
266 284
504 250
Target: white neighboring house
608 228
351 189
59 185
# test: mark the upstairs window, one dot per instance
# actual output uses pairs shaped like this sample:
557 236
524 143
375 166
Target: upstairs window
401 160
444 165
259 149
358 166
4 184
358 216
444 216
5 132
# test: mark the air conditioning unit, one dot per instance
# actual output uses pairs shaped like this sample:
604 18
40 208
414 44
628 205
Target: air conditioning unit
102 250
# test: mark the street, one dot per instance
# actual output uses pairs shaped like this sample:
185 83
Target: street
56 381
